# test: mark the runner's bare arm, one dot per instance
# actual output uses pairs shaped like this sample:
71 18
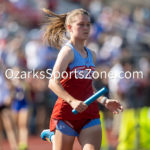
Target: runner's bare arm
64 57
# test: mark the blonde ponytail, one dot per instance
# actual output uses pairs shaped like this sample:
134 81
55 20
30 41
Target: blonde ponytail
54 28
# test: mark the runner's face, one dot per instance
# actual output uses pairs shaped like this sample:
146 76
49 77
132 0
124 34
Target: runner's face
80 27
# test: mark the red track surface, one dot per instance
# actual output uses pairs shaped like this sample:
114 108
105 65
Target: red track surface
35 143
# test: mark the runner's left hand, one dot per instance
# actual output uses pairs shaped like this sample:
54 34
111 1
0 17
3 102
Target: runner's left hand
114 106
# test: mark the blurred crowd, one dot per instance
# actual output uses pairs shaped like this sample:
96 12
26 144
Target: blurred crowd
120 36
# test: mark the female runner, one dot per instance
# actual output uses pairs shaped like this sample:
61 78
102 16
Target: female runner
72 83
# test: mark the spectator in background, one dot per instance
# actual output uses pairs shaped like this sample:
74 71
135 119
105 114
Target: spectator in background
5 113
20 110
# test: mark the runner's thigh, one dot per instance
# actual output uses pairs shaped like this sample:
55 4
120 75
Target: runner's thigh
62 141
90 138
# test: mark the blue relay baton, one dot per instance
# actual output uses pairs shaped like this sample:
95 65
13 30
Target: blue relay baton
92 98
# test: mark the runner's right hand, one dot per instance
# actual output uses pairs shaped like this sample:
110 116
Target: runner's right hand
78 105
